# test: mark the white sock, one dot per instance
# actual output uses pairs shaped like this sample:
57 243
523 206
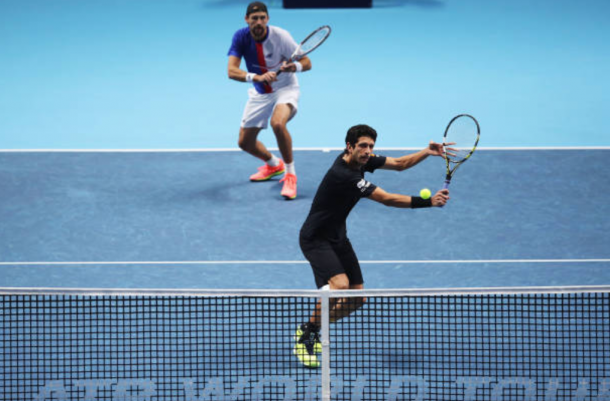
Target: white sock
290 168
274 161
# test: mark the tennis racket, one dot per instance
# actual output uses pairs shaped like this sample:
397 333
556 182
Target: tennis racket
459 143
309 44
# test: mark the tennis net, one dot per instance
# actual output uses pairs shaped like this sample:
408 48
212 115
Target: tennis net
471 344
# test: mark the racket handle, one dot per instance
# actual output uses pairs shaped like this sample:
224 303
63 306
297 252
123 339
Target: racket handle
446 185
292 60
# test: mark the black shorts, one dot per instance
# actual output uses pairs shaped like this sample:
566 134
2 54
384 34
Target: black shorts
328 259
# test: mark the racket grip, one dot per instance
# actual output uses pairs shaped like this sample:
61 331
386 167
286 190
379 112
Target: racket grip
446 185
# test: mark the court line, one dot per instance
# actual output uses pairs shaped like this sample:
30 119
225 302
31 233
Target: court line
293 262
319 149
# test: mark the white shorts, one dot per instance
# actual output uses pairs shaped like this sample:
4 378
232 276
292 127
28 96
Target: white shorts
260 107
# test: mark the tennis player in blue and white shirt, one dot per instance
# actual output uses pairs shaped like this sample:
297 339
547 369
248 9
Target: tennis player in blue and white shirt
266 50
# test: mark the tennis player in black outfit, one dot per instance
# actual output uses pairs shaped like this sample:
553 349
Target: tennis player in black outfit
323 237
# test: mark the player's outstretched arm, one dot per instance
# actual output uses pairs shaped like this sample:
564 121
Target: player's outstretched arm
408 161
406 201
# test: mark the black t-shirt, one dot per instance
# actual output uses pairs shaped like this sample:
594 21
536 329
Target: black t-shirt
337 195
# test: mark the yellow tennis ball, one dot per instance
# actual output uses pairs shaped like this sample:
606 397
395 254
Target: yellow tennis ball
425 193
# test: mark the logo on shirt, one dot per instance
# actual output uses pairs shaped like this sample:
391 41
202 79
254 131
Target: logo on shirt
363 185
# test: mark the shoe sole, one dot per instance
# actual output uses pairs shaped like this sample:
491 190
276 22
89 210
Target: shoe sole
312 366
268 177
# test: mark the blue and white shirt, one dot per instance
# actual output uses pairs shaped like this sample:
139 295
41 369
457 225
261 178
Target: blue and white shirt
266 55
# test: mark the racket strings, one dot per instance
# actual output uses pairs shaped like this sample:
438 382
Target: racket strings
461 139
457 155
314 40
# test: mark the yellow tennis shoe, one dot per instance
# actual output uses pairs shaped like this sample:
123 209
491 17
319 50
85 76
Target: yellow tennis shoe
309 360
307 345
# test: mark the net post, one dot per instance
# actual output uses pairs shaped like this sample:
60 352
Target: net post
325 331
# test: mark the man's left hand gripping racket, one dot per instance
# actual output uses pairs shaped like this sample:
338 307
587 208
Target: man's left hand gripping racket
309 44
459 142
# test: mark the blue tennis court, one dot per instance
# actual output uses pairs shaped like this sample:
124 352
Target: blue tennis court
119 172
181 220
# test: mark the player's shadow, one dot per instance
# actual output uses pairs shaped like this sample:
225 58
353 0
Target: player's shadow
222 193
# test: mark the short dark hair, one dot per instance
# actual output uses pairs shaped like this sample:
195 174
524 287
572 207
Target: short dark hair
256 7
358 131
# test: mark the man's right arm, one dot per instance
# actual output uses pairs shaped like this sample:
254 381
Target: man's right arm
406 201
240 75
235 72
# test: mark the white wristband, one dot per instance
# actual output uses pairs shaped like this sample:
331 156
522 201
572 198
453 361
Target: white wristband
249 77
299 66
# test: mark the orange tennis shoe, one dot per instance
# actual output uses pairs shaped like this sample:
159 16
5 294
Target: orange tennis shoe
289 191
265 172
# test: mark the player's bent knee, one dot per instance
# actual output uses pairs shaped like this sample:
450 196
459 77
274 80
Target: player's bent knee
340 282
279 127
245 144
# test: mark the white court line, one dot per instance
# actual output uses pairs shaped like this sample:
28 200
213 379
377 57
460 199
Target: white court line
293 262
320 149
